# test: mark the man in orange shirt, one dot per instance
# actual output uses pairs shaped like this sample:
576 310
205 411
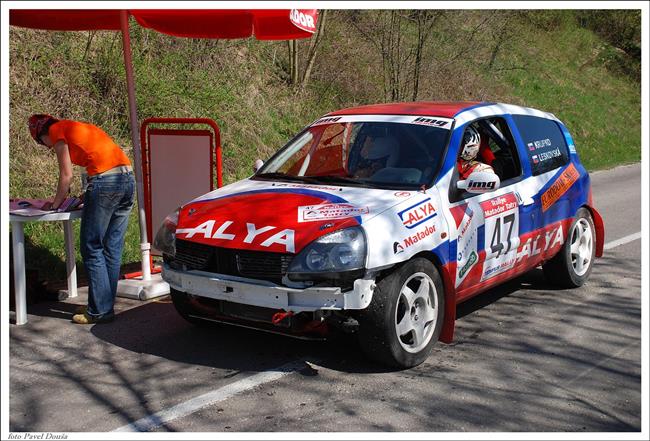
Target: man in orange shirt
108 200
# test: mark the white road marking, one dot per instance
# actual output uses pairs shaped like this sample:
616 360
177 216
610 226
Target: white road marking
192 405
622 240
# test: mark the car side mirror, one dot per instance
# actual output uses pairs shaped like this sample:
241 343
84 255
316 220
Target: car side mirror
257 165
480 182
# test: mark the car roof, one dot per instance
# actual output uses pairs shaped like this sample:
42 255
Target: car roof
446 109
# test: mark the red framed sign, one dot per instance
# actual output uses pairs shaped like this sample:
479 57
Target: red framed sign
178 164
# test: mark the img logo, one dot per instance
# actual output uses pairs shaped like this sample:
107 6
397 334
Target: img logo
481 185
431 122
327 120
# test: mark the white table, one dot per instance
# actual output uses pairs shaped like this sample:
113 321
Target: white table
18 241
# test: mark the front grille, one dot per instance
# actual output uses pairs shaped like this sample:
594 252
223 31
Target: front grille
259 265
192 255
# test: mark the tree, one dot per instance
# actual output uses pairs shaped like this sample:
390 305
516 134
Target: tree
402 51
425 21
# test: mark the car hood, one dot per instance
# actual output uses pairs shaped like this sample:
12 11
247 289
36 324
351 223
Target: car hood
278 216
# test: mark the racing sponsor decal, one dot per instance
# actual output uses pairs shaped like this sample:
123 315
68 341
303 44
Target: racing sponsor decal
417 214
327 120
326 226
466 242
224 231
414 238
467 245
402 194
442 123
497 269
533 245
419 235
307 186
311 213
481 185
471 260
499 205
560 186
501 234
572 148
435 122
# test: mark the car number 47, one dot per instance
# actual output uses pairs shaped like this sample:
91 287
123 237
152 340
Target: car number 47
496 245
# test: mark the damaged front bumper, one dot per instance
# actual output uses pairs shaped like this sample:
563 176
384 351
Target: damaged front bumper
269 295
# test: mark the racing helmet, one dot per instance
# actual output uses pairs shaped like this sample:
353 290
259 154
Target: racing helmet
39 124
471 144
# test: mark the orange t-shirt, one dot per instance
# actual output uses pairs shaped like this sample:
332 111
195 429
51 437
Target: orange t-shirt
89 146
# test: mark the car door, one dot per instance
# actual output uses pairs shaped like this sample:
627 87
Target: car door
489 224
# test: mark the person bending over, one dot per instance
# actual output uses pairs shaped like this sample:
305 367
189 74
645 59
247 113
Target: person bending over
108 200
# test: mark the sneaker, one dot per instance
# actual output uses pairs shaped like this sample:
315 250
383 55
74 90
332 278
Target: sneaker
85 319
81 309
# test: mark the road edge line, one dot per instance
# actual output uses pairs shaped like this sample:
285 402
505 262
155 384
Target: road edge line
194 404
622 241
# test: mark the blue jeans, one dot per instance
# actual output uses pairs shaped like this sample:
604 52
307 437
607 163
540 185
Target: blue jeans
107 205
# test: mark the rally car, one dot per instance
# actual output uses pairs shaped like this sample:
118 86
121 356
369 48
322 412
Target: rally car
364 224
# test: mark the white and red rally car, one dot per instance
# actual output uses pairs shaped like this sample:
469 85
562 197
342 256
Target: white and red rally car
362 223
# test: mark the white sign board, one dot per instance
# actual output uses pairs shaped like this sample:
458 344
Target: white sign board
180 169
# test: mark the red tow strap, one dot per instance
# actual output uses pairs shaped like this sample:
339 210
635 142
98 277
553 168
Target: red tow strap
280 316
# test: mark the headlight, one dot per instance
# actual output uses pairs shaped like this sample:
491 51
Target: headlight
332 256
165 240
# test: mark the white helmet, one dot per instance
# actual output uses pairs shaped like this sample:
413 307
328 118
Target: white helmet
471 144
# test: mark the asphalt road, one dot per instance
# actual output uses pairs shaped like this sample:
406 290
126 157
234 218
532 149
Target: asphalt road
526 357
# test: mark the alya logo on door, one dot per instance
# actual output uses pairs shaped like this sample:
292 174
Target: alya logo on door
418 213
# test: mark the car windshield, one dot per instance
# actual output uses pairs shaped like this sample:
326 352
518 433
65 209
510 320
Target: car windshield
372 154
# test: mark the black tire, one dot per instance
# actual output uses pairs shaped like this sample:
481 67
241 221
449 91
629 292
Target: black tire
185 309
378 324
567 269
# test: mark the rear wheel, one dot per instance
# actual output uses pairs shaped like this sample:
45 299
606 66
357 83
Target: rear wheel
404 319
572 265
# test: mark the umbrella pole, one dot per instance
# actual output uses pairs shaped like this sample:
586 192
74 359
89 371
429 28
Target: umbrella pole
133 117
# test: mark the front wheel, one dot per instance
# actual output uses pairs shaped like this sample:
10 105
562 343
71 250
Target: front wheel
572 265
404 319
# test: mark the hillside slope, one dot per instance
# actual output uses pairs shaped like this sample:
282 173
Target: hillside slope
546 60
